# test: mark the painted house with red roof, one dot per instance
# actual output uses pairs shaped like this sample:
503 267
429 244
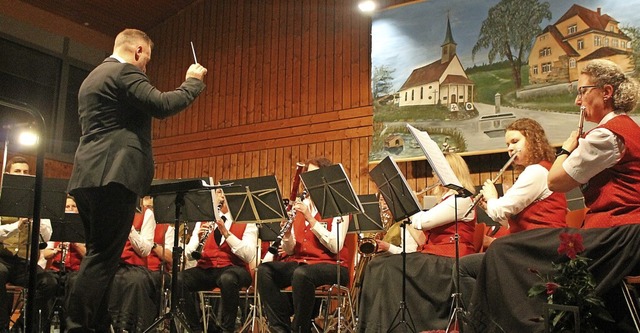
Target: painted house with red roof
441 82
580 35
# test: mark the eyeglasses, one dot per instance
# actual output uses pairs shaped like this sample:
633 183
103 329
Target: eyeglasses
583 90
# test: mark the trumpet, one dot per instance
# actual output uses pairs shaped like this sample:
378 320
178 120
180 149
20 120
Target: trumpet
197 253
477 199
581 121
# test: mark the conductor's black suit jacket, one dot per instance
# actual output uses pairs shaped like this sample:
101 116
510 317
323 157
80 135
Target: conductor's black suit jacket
116 103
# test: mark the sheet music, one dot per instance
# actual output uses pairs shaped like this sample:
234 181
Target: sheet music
436 159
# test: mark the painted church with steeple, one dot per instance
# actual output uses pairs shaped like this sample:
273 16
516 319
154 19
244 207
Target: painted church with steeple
442 82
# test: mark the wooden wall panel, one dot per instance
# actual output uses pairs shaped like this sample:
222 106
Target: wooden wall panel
288 80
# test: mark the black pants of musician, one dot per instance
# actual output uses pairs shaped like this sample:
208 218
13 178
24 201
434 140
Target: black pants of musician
133 303
303 279
106 213
15 270
229 279
470 266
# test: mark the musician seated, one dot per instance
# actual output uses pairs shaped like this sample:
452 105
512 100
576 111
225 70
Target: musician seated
160 259
605 163
14 235
428 271
528 204
311 245
225 249
65 257
133 304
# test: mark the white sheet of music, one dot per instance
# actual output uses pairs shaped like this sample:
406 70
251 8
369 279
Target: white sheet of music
436 158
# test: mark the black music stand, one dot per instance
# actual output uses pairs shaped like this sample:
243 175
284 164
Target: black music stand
447 177
17 200
256 200
402 203
333 196
69 230
176 202
368 220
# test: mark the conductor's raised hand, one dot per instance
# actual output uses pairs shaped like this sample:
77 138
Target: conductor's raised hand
196 71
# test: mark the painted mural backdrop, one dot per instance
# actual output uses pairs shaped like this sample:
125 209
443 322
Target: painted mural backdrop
462 70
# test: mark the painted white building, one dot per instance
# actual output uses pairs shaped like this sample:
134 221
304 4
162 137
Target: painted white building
441 82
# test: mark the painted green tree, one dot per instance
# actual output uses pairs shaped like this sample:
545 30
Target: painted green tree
382 81
634 33
509 31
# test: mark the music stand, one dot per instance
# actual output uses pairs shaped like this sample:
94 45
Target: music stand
188 202
17 200
333 196
256 200
402 203
445 174
69 230
369 220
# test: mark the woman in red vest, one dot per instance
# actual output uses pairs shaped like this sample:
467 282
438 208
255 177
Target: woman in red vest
429 287
311 245
605 163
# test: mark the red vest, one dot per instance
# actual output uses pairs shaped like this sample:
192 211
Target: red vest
613 195
308 248
71 262
440 240
221 256
129 256
153 260
549 212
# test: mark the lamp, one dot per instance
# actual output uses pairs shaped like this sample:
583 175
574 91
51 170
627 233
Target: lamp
367 6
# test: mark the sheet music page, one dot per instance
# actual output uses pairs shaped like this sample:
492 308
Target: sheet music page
436 158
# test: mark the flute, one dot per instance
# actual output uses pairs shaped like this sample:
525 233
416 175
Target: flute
476 201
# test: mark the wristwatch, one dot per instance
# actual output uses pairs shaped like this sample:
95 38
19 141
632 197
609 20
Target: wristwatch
562 151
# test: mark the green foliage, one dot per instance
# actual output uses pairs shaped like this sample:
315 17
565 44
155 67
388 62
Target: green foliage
381 82
634 33
572 284
509 30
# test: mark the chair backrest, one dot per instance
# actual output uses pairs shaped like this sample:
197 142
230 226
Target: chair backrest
351 243
575 218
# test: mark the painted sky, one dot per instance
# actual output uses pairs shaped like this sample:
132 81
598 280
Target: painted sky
410 36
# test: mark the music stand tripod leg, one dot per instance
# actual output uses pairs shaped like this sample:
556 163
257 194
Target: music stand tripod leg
174 315
403 311
458 312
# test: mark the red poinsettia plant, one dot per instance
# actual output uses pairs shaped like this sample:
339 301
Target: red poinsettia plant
571 284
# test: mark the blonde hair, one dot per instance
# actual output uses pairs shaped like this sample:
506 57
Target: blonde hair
461 170
625 89
130 37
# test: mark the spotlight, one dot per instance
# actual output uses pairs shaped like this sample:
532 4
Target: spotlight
367 6
28 138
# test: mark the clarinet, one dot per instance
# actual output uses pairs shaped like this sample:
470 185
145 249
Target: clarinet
285 228
64 246
197 253
273 248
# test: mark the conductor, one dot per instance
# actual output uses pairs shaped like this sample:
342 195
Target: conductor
114 164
